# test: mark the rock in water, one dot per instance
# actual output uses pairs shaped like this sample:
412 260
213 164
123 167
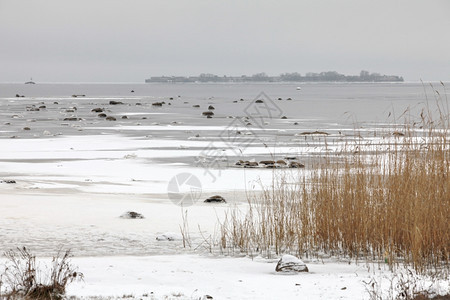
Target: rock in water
208 113
132 215
291 264
267 162
215 199
295 164
112 102
250 164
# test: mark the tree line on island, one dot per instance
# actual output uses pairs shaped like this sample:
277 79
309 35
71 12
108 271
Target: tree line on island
330 76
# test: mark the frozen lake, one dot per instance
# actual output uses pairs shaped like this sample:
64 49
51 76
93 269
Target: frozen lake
71 166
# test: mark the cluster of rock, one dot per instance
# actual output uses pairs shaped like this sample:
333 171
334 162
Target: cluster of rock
7 181
208 114
35 108
288 162
103 115
101 112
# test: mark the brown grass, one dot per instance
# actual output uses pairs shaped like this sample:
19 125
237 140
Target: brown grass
388 201
23 278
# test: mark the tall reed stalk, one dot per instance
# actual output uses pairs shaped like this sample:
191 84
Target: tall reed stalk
388 201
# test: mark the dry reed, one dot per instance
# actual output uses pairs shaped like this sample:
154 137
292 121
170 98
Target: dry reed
388 201
24 278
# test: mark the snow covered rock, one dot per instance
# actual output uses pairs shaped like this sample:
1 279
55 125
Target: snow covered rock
295 164
290 264
132 215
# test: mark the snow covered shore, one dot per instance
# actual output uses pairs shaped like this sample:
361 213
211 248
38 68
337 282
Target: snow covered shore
193 276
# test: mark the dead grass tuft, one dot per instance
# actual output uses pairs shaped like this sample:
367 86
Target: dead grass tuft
23 278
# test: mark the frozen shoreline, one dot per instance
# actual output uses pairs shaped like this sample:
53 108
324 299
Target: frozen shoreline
192 277
75 178
186 276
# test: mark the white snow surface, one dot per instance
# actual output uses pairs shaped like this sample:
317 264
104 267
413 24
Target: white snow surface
193 276
291 259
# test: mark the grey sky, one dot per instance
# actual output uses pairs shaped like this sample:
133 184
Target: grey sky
130 40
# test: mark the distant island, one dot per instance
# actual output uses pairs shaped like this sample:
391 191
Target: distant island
330 76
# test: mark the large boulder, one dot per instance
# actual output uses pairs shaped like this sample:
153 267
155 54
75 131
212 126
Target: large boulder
215 199
250 164
398 133
296 164
281 162
112 102
246 163
291 264
208 113
267 162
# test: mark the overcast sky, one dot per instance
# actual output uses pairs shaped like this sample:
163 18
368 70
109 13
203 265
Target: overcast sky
130 40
